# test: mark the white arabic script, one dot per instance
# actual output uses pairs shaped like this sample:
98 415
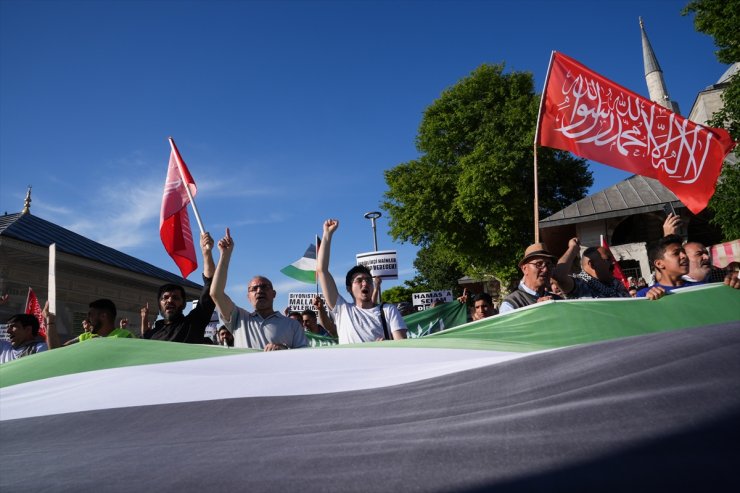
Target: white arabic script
605 116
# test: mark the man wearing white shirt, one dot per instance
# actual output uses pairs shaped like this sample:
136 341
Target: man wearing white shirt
362 320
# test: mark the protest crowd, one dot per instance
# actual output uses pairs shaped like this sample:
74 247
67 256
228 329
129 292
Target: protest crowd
361 317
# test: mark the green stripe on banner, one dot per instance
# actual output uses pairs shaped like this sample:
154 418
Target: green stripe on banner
108 353
566 323
442 317
546 326
320 341
420 324
307 276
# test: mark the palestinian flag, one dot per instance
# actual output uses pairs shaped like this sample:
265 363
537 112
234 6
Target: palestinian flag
304 269
586 395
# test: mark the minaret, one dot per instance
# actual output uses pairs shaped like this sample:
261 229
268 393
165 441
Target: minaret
654 75
27 203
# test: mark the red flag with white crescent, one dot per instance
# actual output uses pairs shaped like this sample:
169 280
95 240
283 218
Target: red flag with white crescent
174 222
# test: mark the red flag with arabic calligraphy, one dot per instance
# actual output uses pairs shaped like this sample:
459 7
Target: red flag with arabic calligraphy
594 118
33 307
174 222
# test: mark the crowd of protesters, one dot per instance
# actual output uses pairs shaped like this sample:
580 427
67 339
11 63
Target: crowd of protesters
362 317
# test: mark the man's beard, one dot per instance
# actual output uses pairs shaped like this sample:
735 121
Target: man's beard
169 318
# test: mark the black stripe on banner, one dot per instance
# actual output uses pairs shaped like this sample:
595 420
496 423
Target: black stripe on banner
659 412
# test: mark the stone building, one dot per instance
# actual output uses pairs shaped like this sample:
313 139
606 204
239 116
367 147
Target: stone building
85 271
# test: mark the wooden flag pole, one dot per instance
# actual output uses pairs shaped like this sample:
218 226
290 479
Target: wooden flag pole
180 165
536 139
536 200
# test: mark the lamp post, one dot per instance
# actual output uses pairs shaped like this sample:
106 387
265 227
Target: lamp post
373 216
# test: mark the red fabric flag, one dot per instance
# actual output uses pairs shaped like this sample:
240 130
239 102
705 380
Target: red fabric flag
34 308
617 272
174 222
594 118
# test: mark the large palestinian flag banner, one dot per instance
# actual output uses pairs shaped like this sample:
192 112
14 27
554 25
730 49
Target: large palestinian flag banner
590 395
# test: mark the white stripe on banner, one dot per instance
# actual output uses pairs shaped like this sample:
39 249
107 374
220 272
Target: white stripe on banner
281 373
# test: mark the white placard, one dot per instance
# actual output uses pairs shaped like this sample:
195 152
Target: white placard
383 264
52 296
425 300
297 302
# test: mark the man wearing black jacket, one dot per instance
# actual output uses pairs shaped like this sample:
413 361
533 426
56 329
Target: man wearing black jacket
174 326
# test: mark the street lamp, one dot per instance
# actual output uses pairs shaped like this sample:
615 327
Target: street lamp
373 216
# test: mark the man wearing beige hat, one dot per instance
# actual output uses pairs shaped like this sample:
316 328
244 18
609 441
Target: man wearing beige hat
537 266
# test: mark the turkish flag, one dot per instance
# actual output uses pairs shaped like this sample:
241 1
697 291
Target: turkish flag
597 119
33 307
174 222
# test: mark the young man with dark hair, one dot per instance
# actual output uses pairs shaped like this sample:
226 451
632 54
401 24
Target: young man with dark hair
174 325
363 320
23 332
668 257
224 337
483 306
102 316
309 320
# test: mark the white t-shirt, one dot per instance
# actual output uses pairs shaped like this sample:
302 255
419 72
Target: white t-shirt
356 324
8 353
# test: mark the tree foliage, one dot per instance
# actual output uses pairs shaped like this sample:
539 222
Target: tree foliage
726 202
720 19
397 294
435 273
468 199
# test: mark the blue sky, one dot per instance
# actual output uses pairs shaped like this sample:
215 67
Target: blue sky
286 112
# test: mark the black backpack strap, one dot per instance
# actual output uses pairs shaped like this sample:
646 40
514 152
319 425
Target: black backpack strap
386 332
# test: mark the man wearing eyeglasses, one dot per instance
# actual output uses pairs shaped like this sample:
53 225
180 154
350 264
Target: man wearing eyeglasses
264 328
362 320
596 279
536 266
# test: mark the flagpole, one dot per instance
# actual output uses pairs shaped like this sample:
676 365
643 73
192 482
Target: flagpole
536 139
178 159
28 298
316 273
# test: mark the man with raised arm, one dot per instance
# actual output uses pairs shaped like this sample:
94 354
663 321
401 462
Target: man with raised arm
264 328
174 326
596 279
362 320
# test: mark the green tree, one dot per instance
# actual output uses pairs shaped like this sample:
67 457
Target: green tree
435 272
397 294
720 19
468 199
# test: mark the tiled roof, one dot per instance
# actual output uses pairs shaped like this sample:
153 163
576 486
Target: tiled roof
33 229
635 195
